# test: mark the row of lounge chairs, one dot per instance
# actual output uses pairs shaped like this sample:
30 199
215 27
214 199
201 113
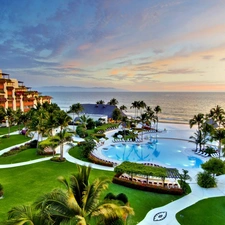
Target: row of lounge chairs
103 160
111 128
201 153
151 182
216 155
151 164
127 140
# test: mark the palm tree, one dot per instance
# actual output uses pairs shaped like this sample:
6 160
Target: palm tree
38 122
62 119
60 138
135 106
157 110
113 101
80 201
84 120
142 105
100 102
218 115
197 119
24 215
18 117
73 110
10 117
77 108
219 135
199 139
2 114
123 108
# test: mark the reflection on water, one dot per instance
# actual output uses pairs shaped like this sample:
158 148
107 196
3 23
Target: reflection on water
162 151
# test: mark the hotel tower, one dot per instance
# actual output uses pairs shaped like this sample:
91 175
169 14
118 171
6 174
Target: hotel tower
13 94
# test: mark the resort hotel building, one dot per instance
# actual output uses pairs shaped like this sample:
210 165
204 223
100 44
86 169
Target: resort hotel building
14 95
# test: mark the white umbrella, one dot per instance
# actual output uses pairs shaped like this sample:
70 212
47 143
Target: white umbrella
119 136
102 139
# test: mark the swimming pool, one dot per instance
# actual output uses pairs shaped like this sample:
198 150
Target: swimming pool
167 152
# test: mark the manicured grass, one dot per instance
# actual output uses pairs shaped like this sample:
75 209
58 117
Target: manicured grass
5 130
12 140
26 155
23 185
76 153
208 212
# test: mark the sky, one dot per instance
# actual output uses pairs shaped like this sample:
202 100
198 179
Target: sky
136 45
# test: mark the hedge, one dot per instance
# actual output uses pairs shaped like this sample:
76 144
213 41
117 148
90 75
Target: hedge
146 187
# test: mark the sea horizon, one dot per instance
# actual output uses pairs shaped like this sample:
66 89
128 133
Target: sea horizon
177 107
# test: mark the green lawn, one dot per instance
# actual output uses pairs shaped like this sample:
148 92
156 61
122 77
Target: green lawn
12 140
26 155
5 130
22 185
208 212
76 153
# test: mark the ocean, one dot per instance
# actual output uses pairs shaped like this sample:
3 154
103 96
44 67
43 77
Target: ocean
177 107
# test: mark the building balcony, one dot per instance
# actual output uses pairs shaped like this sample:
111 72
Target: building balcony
3 99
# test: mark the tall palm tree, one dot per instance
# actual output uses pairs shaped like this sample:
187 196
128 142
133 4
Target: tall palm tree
60 138
199 139
77 108
73 110
197 119
18 117
142 105
123 108
218 115
38 122
113 101
81 201
10 117
157 110
62 119
135 106
219 135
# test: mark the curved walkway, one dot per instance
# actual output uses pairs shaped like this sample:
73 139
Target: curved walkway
165 215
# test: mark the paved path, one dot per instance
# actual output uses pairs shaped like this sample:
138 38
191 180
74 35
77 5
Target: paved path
165 215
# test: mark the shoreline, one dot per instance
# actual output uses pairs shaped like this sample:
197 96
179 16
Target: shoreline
173 122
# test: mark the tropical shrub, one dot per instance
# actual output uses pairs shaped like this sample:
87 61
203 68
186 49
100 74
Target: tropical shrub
206 180
81 131
210 150
214 166
57 159
122 197
1 190
33 144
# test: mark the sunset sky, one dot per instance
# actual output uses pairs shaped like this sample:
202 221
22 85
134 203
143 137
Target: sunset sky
138 45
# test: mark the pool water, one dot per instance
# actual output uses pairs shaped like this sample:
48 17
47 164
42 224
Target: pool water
167 152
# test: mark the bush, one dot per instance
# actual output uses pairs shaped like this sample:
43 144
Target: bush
110 196
122 197
57 159
206 180
1 190
33 144
81 131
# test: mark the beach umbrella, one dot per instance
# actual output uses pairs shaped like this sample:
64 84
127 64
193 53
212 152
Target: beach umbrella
119 136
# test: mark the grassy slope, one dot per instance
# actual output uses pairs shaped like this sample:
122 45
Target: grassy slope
22 185
5 130
12 140
26 155
208 212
